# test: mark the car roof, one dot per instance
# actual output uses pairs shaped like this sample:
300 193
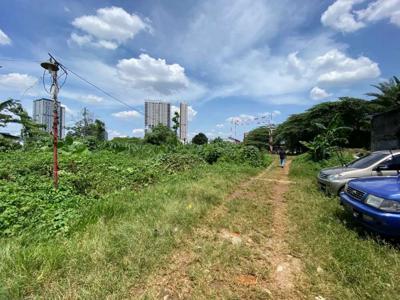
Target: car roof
396 151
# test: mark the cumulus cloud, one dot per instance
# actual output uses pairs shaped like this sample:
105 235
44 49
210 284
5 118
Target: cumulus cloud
138 131
114 133
91 99
317 93
109 28
191 111
4 39
342 17
147 72
336 68
17 81
128 114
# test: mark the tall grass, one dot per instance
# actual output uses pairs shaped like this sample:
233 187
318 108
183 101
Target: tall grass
342 260
131 233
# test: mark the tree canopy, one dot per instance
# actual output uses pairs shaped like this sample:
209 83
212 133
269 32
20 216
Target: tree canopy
258 137
200 139
161 135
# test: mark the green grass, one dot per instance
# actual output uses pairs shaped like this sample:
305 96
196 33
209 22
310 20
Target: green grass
126 236
355 264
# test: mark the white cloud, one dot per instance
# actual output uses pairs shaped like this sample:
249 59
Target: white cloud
381 9
4 39
149 73
128 114
341 16
138 131
317 93
191 112
276 113
335 68
110 27
84 40
114 133
90 99
220 125
17 81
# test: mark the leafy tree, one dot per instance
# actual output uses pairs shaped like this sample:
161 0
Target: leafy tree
349 112
327 141
7 116
258 137
200 139
389 94
175 120
217 140
87 128
161 135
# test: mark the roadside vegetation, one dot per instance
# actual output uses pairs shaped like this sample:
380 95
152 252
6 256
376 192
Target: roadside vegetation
342 260
120 208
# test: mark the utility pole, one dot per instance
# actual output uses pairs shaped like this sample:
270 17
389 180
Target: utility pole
53 66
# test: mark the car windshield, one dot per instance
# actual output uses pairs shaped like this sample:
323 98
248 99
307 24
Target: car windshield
367 161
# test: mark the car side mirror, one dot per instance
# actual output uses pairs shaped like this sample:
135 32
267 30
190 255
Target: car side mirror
382 167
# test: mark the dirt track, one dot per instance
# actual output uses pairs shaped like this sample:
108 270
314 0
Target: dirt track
240 251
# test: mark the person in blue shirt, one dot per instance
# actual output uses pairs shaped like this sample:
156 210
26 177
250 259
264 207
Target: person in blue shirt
282 157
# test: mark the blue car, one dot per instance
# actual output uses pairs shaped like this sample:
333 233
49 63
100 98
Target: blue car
375 202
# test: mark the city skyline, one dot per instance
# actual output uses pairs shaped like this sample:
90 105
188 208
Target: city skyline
228 61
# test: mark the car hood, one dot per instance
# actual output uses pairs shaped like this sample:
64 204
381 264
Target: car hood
385 187
336 170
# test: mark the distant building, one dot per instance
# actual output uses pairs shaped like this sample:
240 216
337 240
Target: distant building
385 131
155 113
43 114
183 122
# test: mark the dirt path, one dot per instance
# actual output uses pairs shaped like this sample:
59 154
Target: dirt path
240 251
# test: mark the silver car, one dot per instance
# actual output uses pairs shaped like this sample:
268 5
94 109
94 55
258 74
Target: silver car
333 180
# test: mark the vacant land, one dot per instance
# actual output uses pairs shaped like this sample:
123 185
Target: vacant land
153 229
114 220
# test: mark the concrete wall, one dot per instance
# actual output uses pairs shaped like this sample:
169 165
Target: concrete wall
385 133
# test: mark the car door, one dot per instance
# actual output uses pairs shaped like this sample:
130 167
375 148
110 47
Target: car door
388 167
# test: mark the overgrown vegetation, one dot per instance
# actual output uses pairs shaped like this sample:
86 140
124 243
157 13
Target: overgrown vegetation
349 112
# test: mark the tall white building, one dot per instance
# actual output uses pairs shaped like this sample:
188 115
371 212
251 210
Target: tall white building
43 114
155 113
183 122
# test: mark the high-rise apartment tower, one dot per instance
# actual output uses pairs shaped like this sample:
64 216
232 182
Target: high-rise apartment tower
43 114
155 113
183 122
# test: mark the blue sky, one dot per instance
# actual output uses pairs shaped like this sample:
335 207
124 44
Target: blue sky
230 60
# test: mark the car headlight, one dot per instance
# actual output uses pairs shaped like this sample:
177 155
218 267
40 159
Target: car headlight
374 201
383 204
334 177
390 206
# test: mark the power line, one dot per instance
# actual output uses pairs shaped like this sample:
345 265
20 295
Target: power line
98 88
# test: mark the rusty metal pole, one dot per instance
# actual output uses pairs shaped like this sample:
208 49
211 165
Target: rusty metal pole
53 66
54 91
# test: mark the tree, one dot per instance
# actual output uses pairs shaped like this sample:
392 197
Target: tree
328 140
350 112
161 135
200 139
389 94
175 120
258 137
87 128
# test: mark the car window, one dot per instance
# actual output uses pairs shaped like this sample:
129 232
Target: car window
393 162
367 161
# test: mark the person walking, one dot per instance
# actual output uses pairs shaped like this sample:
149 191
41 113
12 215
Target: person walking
282 157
